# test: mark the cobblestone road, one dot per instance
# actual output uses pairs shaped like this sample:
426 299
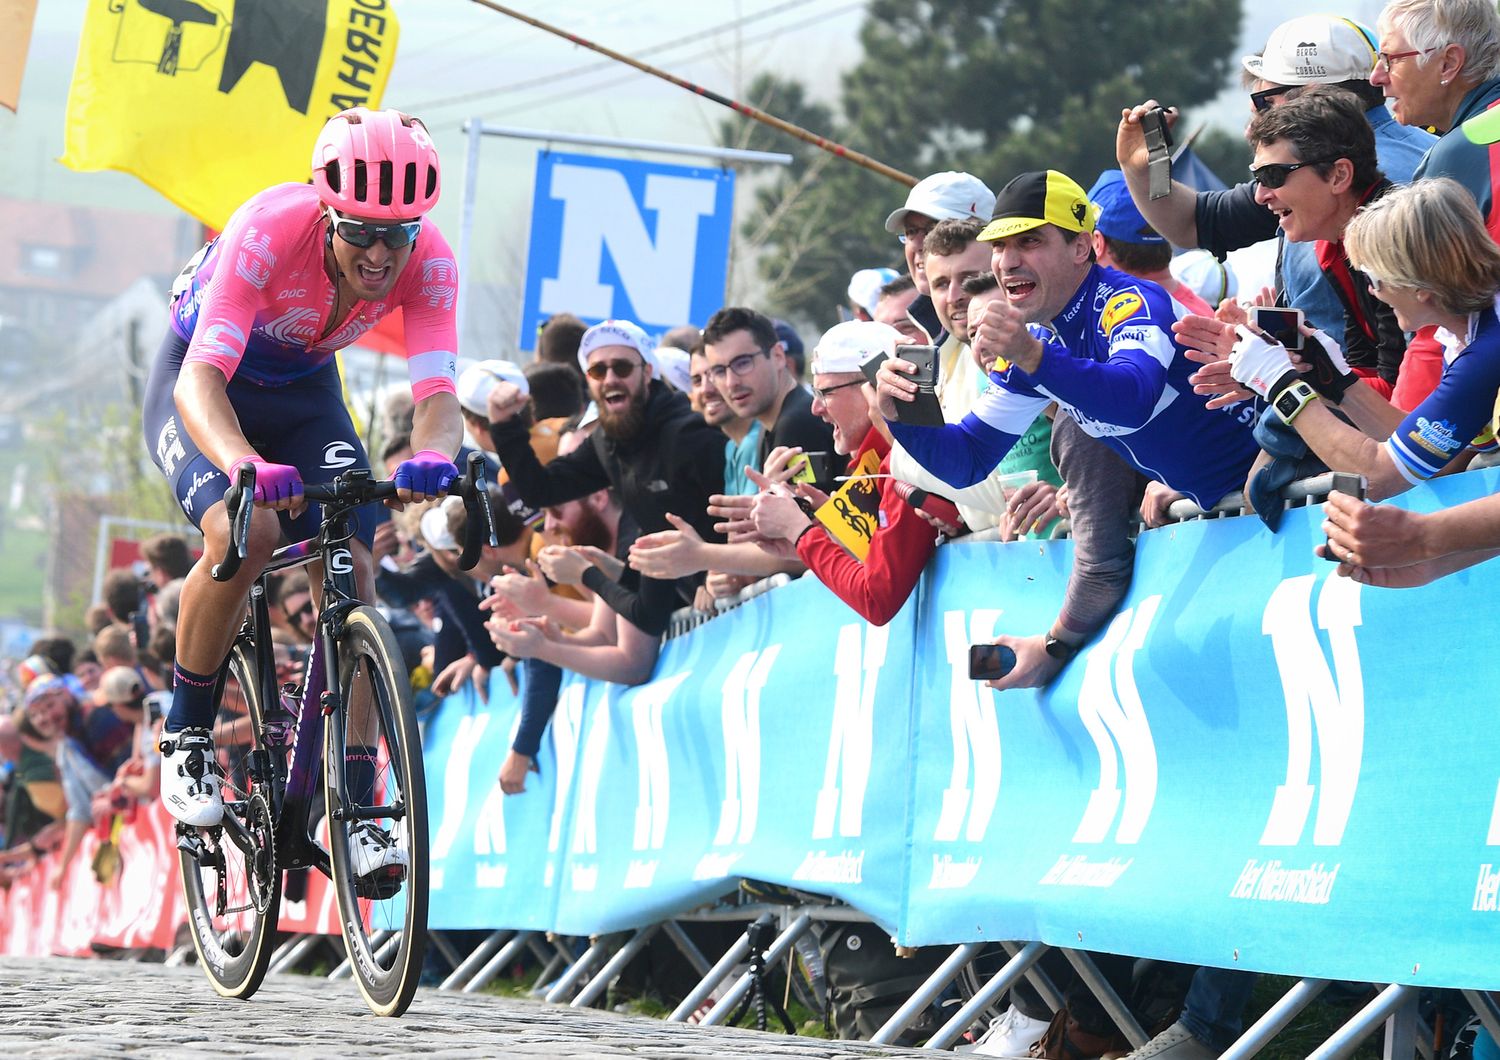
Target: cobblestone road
109 1008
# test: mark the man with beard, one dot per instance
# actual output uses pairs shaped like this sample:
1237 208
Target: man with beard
747 363
657 454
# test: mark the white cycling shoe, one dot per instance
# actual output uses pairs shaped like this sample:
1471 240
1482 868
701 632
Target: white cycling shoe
190 778
373 854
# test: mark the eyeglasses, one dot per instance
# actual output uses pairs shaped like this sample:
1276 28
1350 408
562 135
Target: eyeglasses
914 232
365 234
1390 59
1275 174
1266 98
305 611
822 395
740 365
622 368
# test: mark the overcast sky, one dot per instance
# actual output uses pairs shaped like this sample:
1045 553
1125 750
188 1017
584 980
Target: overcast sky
451 49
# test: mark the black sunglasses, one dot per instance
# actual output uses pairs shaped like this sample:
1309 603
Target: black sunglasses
302 612
1275 174
1266 97
622 368
365 234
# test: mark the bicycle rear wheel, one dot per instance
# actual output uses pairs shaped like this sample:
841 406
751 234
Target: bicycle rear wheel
229 875
377 800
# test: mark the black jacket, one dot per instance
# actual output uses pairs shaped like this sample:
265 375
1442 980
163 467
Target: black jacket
674 465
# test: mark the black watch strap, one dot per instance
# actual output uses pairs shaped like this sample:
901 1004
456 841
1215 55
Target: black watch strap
1060 650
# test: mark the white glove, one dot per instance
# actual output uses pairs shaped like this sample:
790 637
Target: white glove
1258 364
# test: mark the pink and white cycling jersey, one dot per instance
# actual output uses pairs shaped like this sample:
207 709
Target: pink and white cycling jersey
254 301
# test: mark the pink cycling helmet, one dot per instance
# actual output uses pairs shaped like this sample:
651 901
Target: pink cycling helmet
376 164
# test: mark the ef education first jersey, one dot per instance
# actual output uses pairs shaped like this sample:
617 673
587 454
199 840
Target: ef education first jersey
255 301
1111 360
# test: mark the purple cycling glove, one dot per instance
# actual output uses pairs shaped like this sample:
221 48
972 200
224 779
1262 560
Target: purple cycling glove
428 472
273 482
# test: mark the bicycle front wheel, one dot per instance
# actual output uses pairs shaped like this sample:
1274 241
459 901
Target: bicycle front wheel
229 875
377 815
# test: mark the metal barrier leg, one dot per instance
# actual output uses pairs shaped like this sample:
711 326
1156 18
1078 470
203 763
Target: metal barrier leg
1088 971
613 967
689 949
1344 1041
445 948
926 993
777 950
293 953
1275 1020
715 975
1051 996
1001 982
1401 1030
476 960
509 952
1487 1009
563 988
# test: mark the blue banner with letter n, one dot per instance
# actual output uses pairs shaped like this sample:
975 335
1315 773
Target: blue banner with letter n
613 238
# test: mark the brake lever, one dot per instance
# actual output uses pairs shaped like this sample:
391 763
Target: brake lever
239 504
476 496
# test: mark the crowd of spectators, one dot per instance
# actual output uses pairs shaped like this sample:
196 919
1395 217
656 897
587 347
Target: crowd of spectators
1076 372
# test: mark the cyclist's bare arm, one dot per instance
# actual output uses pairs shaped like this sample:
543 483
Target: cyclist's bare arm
436 425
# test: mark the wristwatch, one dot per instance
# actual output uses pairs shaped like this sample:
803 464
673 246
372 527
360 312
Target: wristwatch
1292 400
1060 650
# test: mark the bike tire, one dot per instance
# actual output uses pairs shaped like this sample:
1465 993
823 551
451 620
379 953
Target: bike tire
234 937
385 934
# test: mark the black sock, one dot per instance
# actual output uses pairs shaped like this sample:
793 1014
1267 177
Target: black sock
192 700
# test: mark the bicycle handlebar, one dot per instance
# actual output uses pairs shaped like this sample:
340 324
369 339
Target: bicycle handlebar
351 490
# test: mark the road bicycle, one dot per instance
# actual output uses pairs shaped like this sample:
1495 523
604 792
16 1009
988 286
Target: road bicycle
356 733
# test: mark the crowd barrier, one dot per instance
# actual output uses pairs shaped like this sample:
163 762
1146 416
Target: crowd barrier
1256 765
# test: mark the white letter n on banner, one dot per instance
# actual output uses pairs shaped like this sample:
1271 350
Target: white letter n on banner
1312 699
740 707
1110 708
851 738
599 212
976 734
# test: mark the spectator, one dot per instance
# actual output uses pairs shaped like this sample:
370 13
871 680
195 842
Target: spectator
557 342
938 197
892 308
35 797
295 611
97 617
747 362
864 291
474 385
123 594
1308 50
791 342
673 366
684 337
167 558
556 392
1124 240
742 449
651 448
877 585
1101 348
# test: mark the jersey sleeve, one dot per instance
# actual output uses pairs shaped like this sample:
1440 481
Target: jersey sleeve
1126 387
1458 411
963 453
430 317
248 255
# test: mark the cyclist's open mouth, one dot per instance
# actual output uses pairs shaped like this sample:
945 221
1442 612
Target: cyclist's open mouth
372 275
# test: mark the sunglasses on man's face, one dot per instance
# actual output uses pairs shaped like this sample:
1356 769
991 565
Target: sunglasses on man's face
1266 98
365 234
1275 174
301 613
622 368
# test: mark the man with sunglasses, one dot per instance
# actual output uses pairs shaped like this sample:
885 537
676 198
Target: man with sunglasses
1309 50
651 448
246 375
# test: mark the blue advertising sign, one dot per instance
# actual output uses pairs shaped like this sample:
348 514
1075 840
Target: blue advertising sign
613 238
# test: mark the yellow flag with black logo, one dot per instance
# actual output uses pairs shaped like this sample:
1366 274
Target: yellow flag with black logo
212 101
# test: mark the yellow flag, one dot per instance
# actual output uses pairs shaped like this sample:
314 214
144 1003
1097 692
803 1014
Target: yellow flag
852 514
16 17
211 101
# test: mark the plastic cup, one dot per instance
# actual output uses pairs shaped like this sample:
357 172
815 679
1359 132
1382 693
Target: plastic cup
1016 480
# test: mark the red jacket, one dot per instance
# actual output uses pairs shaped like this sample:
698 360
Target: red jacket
899 550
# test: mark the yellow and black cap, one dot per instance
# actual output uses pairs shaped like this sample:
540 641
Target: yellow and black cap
1042 198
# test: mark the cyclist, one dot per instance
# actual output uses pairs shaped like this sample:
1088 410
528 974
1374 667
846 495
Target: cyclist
246 375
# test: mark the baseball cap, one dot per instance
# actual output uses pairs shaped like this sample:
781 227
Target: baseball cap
120 684
434 526
790 341
1118 216
671 364
865 285
1210 278
1040 198
477 380
846 347
1315 50
45 685
943 197
615 333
